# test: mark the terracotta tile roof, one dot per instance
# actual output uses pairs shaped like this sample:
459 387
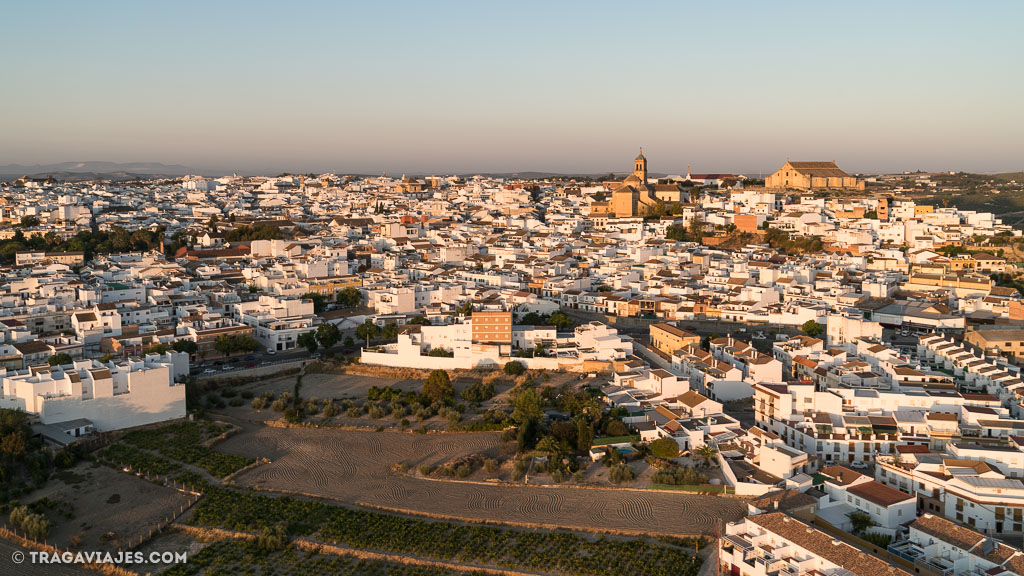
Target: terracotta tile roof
880 494
825 546
841 475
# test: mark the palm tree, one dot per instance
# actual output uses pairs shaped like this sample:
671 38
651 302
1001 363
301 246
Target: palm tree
706 453
547 445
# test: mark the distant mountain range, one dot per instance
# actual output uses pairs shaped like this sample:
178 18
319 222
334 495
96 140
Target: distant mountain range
90 170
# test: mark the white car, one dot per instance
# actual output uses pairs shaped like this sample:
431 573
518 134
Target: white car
858 465
209 371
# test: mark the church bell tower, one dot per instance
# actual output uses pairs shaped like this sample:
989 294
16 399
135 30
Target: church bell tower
640 167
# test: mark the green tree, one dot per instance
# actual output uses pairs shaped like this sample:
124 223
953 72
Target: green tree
528 407
367 330
513 368
224 344
706 453
328 335
466 308
308 341
389 332
29 221
664 448
60 359
157 349
677 233
438 387
697 228
859 521
584 435
246 343
548 445
560 321
319 302
812 328
186 346
349 297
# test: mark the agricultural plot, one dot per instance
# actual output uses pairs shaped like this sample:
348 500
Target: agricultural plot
336 386
242 557
106 507
528 550
355 467
183 442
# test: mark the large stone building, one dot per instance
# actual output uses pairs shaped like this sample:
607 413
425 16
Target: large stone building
812 176
634 197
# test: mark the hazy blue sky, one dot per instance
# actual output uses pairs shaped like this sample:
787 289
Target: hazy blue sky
505 86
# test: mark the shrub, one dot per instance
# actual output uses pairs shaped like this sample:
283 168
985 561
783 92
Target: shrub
259 403
330 410
513 368
376 412
620 473
450 414
679 476
425 469
354 412
463 470
236 402
272 539
519 467
312 406
282 402
664 448
616 428
559 476
247 394
36 526
479 392
491 465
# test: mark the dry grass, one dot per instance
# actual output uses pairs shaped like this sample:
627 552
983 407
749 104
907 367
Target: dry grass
356 467
106 501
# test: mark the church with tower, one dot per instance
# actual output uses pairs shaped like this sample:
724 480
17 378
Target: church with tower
634 195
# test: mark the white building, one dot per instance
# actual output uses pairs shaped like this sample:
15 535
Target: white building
112 396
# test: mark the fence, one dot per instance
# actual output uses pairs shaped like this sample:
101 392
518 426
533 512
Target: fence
16 536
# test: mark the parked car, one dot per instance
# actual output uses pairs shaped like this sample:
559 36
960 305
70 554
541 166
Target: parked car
250 358
315 355
209 371
858 465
